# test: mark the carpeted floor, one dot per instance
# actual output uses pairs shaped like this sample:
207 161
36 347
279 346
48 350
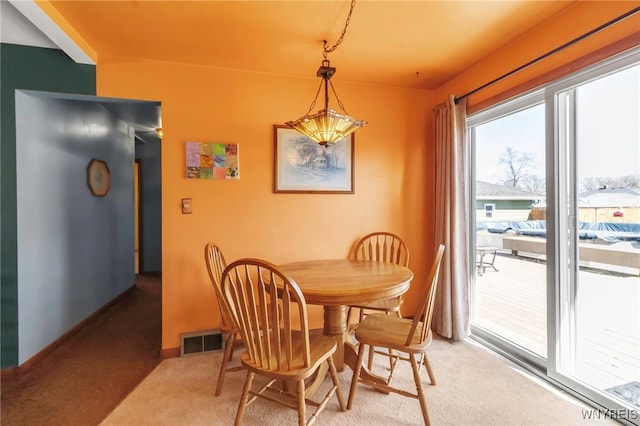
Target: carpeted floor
475 387
83 379
109 373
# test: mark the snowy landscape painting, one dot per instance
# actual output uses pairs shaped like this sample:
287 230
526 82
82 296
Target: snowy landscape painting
303 165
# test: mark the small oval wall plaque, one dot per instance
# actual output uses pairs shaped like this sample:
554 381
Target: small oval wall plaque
98 177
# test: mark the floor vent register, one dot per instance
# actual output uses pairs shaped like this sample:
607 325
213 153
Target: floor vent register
201 341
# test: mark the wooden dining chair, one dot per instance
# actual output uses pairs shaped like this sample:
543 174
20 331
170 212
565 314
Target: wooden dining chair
408 338
215 267
278 345
385 247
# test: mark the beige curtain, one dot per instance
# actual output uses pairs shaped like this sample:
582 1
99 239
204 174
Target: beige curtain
451 311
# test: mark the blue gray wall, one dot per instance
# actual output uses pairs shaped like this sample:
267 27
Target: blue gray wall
75 289
24 67
75 250
151 206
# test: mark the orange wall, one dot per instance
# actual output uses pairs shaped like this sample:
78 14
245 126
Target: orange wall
393 176
394 159
573 22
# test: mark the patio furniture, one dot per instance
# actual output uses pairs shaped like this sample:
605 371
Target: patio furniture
485 257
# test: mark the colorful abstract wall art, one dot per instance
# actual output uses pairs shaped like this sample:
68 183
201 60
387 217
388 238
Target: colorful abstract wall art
212 161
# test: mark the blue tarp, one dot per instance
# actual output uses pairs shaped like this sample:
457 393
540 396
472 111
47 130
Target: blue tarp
535 228
606 231
610 231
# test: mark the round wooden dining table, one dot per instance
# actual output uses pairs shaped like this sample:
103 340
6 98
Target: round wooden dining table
337 283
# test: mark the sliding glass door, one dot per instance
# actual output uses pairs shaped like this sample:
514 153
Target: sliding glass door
509 152
597 286
556 281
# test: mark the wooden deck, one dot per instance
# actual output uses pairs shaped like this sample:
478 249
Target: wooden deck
512 302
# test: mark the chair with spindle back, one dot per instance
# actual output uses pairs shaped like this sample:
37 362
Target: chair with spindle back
385 247
215 266
277 341
410 337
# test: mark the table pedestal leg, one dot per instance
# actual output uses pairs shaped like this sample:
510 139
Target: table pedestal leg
335 324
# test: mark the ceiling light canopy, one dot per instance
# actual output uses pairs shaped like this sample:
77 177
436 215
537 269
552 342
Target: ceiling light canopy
327 126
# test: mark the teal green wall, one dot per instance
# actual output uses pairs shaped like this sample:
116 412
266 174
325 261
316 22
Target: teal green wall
32 68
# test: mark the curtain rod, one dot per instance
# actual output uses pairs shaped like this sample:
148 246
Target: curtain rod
556 50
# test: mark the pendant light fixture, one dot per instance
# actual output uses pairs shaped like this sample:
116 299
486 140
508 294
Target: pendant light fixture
327 126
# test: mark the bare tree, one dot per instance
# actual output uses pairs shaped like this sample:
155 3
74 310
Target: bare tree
628 181
519 167
519 173
534 183
631 181
589 183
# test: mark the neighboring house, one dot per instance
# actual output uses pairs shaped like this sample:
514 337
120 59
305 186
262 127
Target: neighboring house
610 205
499 203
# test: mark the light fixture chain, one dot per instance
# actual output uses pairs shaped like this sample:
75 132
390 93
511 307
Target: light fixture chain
337 99
344 31
313 103
327 126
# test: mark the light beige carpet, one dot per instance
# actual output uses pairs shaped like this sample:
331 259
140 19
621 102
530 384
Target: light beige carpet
474 387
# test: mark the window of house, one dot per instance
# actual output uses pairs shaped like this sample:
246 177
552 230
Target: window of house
488 210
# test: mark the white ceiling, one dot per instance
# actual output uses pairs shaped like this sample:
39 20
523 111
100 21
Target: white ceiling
16 29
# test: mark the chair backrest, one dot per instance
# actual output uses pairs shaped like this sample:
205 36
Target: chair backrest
383 246
215 262
275 339
424 313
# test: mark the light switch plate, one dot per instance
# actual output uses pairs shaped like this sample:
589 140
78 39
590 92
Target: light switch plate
186 206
